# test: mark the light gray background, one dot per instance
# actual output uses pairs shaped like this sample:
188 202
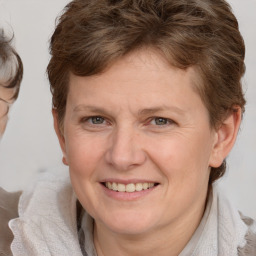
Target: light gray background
30 145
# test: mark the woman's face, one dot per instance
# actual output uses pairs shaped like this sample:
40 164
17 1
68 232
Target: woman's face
5 95
139 145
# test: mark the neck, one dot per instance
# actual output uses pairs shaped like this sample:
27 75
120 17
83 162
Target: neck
168 240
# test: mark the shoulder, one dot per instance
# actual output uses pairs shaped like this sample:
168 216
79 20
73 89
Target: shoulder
8 211
250 247
9 204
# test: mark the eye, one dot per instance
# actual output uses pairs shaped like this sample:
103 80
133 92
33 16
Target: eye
93 120
94 123
161 121
96 120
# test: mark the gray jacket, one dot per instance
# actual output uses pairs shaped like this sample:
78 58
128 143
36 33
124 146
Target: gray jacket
9 210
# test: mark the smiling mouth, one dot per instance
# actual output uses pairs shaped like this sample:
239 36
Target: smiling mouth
129 188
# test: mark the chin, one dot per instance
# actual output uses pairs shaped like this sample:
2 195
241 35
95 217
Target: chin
132 223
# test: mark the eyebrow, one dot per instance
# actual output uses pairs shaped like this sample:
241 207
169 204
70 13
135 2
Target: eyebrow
148 111
142 112
82 107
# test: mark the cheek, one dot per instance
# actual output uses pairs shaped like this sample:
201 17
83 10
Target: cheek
3 122
84 160
83 154
181 158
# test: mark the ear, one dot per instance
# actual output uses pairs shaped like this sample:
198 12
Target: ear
225 137
60 136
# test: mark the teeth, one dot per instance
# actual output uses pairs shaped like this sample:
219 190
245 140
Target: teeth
139 186
109 185
120 187
114 186
132 187
145 185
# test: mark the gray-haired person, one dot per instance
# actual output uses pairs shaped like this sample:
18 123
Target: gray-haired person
11 72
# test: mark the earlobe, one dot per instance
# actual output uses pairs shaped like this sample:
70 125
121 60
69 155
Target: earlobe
60 136
64 160
225 137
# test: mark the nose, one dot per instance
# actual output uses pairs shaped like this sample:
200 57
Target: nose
125 151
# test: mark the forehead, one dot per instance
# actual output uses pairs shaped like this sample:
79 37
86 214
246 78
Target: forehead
140 80
140 67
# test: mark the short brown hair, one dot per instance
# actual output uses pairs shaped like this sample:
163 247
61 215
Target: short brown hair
92 34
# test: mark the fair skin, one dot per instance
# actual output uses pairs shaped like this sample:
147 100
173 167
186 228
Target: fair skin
141 121
6 95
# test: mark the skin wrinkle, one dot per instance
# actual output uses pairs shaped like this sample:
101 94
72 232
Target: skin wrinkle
11 73
187 34
177 156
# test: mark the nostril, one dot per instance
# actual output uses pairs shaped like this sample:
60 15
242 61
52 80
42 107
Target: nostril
125 152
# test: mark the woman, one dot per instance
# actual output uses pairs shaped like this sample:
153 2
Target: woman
147 103
11 72
10 78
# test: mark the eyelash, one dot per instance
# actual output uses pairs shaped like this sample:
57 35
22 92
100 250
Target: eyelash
90 120
166 121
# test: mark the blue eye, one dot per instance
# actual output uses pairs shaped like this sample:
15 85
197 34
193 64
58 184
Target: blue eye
94 123
160 121
96 120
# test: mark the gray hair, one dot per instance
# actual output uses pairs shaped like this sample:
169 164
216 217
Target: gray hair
11 67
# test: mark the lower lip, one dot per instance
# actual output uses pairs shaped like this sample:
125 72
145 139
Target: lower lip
127 196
